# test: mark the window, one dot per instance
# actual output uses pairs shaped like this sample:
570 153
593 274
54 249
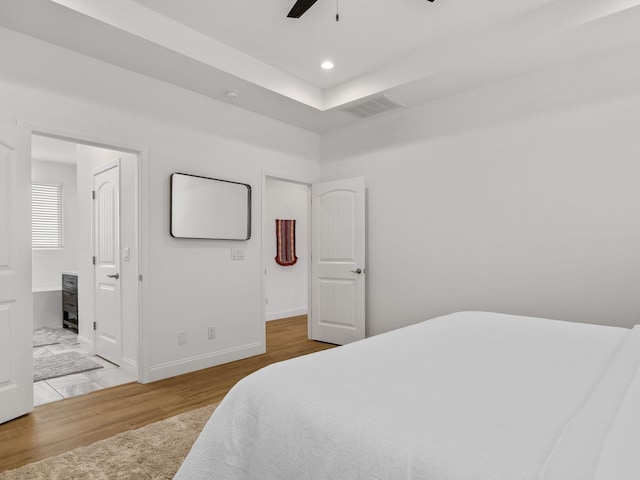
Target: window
46 216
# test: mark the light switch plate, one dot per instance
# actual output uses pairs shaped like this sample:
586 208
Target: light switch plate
237 254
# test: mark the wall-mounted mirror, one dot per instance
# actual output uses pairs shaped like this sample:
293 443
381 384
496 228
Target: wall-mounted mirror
203 207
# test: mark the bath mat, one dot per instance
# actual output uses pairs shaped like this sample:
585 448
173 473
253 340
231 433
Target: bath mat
42 338
62 364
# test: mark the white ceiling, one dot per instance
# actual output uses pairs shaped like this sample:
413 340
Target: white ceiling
368 36
413 51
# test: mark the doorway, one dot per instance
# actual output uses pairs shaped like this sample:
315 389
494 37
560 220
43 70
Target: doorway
335 282
71 164
286 287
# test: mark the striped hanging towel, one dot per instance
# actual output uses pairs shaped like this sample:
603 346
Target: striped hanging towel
286 242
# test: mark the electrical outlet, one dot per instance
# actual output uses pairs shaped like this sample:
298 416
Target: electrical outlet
211 333
182 338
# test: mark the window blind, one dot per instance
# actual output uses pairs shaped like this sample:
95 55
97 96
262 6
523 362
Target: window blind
46 216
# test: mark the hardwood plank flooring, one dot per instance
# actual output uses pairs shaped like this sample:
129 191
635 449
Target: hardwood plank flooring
58 427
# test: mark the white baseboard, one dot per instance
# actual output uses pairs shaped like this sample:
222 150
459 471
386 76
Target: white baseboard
187 365
129 366
293 312
86 345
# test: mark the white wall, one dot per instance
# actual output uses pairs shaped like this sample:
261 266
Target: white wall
188 284
48 264
286 288
519 197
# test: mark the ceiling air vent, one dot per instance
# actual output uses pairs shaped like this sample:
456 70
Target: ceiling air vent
372 106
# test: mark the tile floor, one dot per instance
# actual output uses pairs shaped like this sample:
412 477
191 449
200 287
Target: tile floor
54 389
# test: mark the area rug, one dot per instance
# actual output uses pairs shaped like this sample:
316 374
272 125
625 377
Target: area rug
42 338
155 451
61 364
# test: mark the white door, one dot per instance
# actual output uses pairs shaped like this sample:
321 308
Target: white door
338 256
106 228
16 310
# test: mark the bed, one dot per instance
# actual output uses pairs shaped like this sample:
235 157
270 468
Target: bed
466 396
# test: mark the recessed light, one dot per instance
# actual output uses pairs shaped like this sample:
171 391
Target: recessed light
327 65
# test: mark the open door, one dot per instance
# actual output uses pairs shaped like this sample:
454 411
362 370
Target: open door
16 310
338 261
107 291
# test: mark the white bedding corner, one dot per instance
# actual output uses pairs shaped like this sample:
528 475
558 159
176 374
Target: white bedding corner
620 455
466 396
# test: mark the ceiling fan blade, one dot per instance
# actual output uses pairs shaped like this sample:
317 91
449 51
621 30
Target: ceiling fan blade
300 7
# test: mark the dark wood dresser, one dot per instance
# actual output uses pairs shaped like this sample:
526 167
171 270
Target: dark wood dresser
70 300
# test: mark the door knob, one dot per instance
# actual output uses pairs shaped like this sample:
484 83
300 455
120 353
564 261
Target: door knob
359 270
116 276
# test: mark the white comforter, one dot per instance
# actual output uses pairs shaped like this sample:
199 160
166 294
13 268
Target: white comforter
467 396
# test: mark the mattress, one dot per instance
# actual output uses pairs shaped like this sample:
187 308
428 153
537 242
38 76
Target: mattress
466 396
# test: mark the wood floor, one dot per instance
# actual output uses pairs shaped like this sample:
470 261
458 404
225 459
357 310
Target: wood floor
62 426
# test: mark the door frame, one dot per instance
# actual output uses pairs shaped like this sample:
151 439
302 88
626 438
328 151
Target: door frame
141 219
300 181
